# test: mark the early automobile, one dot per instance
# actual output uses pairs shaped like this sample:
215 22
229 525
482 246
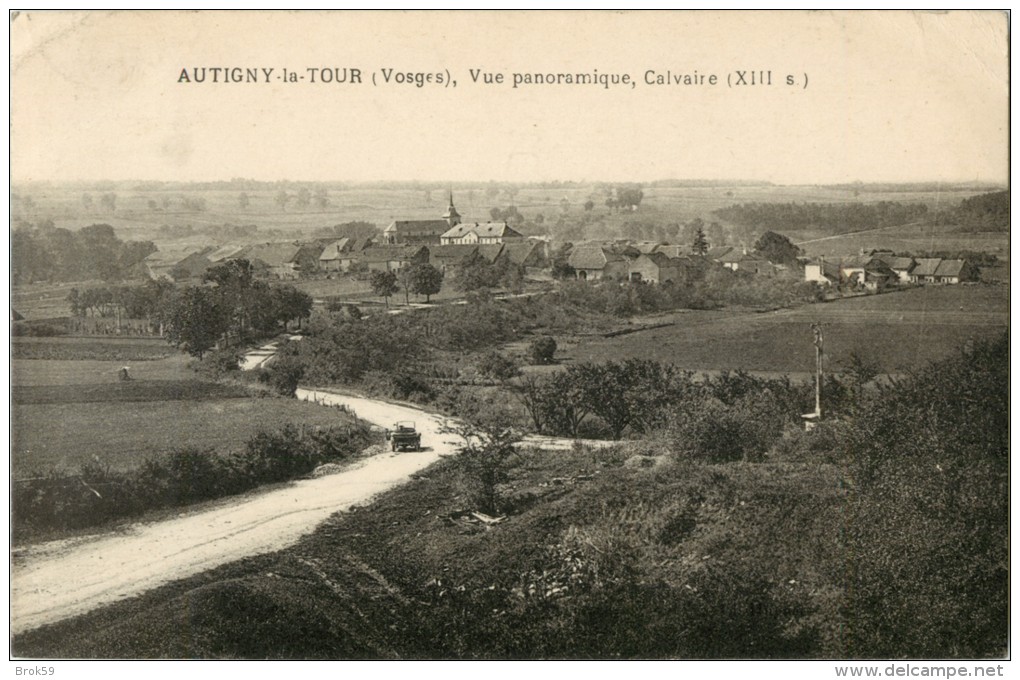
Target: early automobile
404 437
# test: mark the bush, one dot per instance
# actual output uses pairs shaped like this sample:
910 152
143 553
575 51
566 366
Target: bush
36 330
496 366
97 495
541 350
220 362
709 429
284 374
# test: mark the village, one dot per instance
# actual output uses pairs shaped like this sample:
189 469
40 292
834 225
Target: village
450 244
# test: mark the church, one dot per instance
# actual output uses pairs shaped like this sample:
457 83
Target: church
422 232
448 231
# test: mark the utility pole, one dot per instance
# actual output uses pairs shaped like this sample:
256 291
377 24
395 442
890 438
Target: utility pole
817 328
811 420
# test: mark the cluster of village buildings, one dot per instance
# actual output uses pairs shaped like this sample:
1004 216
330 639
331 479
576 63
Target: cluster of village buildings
449 242
879 269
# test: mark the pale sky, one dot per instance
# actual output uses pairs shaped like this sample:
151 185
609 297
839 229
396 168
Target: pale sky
891 96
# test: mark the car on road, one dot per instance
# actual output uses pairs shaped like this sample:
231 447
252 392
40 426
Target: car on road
404 437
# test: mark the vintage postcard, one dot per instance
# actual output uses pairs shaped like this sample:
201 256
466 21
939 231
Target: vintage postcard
511 335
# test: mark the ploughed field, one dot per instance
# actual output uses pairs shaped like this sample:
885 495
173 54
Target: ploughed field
69 412
898 331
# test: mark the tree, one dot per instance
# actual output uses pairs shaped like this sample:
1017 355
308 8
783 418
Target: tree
541 350
322 198
777 248
304 198
700 245
497 366
243 201
624 393
589 205
86 201
282 199
109 201
487 457
424 279
384 284
195 320
629 197
293 304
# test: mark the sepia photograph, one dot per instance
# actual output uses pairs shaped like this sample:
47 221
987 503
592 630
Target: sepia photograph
511 335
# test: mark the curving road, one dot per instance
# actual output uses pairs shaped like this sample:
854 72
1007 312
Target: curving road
57 580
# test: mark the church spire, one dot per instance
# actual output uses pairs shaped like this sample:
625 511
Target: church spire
451 216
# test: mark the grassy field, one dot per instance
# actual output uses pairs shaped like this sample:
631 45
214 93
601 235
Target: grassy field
66 412
903 239
123 434
91 348
898 331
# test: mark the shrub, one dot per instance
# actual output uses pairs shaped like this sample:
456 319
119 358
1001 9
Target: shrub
496 366
36 330
96 495
541 350
220 361
709 429
284 374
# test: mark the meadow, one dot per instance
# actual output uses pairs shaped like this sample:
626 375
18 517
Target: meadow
69 412
896 331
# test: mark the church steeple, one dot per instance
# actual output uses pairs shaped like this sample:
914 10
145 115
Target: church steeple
451 215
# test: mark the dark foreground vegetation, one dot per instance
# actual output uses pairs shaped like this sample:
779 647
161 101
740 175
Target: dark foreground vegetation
882 534
61 501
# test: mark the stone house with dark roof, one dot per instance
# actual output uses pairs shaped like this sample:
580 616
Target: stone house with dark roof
595 262
952 271
281 259
654 268
390 258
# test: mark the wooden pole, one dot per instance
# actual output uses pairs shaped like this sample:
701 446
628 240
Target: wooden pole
817 328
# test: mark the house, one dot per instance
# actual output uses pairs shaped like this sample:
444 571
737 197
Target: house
525 253
309 254
593 262
339 254
281 259
924 270
329 258
415 232
224 253
178 264
654 268
389 258
825 273
671 250
902 266
480 232
448 257
490 252
852 269
718 252
878 275
739 260
422 232
952 271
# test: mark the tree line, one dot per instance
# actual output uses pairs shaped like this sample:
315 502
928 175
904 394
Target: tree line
232 305
833 217
48 253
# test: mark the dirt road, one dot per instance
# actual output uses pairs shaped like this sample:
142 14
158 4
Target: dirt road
57 580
